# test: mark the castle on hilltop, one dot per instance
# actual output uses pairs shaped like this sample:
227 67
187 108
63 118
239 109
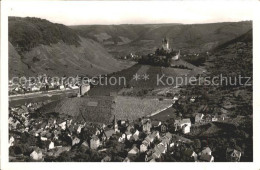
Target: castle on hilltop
165 46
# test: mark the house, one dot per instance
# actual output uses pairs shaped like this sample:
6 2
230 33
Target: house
134 151
177 56
128 135
97 131
172 144
148 158
156 155
122 138
175 98
164 128
126 160
147 125
199 117
192 99
11 141
160 148
191 153
165 140
43 138
180 123
136 133
74 87
206 158
59 149
223 116
149 138
208 118
205 151
129 127
107 134
35 88
75 141
136 137
144 146
61 87
132 138
185 129
85 145
106 159
214 119
169 135
51 145
36 155
63 125
233 155
79 128
155 134
94 142
122 122
83 89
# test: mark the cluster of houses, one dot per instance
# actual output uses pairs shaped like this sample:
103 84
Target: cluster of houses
41 83
201 118
130 56
148 137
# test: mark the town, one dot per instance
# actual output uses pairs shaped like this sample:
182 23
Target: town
52 137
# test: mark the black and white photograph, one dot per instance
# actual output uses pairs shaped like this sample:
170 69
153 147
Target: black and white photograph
129 81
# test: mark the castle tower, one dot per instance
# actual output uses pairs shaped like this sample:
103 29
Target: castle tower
165 44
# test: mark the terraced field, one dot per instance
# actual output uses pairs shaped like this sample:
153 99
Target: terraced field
135 107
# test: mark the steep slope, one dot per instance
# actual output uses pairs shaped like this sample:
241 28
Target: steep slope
16 66
234 58
245 38
27 33
39 46
146 38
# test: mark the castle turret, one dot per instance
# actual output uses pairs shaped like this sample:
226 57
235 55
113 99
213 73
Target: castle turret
165 44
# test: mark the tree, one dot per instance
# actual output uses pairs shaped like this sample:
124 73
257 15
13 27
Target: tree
197 144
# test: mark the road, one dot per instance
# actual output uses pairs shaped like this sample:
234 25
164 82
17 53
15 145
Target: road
41 94
16 100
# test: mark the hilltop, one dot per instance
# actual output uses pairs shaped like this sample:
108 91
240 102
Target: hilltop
37 46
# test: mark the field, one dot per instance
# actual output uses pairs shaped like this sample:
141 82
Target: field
135 107
91 109
165 115
102 108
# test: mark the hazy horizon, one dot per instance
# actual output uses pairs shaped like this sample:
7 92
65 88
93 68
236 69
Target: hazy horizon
140 23
132 12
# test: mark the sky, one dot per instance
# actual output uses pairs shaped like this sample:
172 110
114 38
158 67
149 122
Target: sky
132 12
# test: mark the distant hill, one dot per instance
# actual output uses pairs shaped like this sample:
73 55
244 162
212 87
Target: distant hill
234 58
245 38
39 46
142 39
